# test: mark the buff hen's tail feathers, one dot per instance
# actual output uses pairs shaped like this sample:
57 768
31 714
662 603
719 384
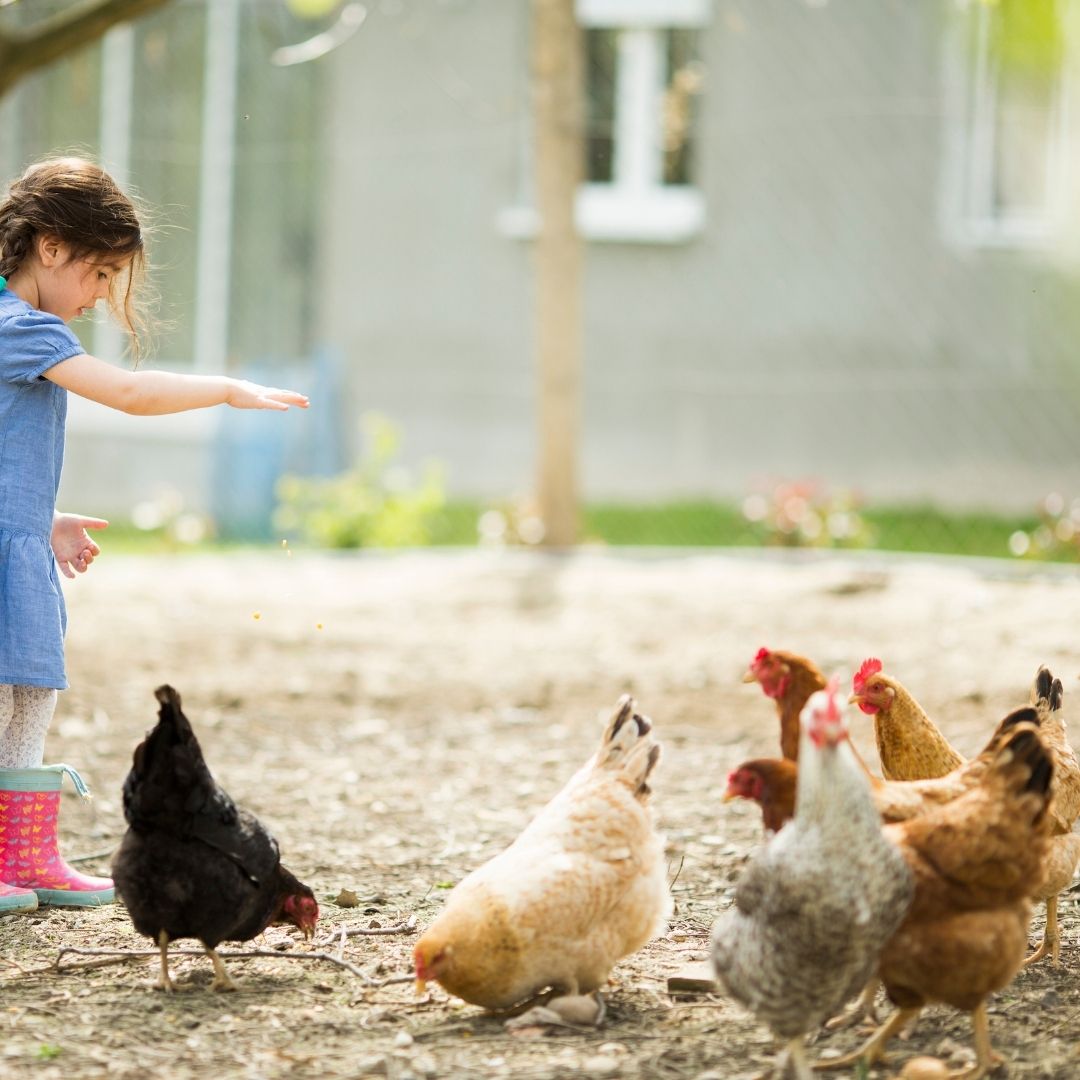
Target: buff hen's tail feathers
628 747
1024 747
1046 691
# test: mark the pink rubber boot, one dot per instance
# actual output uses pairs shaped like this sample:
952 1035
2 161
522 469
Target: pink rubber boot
14 899
29 858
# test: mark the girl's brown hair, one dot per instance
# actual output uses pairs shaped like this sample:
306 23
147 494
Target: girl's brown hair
78 203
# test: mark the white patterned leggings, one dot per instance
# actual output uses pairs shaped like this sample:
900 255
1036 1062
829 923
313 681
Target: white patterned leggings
25 715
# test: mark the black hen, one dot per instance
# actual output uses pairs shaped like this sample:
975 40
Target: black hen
192 863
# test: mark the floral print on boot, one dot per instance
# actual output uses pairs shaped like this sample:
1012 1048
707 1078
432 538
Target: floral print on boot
29 857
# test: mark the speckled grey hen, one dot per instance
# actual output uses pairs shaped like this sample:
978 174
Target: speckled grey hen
817 903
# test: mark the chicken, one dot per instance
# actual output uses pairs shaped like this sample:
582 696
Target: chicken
910 745
771 783
900 801
975 861
789 679
192 864
1063 854
584 885
818 901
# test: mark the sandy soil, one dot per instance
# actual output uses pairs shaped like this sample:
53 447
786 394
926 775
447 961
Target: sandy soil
397 719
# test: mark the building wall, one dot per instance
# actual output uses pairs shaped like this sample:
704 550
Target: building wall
825 323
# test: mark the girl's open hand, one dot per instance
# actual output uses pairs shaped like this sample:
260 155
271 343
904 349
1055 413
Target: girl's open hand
71 543
249 395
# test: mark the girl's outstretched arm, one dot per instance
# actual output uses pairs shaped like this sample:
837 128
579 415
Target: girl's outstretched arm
153 393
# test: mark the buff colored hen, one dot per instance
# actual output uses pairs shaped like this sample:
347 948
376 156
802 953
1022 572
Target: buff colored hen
583 886
910 745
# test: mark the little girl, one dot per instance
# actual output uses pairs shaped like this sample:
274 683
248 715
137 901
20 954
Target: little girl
69 237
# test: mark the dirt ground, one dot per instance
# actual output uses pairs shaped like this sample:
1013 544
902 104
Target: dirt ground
397 719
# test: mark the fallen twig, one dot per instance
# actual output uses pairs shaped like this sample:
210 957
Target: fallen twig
1068 1020
11 963
397 979
368 931
120 956
93 855
671 884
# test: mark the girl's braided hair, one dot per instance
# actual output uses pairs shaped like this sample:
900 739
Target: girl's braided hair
78 203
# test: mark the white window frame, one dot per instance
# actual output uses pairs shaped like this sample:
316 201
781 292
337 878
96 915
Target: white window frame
636 205
973 219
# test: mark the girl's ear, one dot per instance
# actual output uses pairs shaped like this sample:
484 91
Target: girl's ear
51 250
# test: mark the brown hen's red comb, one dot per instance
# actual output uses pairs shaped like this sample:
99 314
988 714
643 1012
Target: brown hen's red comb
761 654
870 667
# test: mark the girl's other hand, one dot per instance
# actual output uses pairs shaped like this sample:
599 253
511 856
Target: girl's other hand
72 546
249 395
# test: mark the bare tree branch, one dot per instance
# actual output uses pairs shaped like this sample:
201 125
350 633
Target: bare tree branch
27 49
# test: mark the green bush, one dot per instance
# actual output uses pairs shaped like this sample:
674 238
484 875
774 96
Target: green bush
377 503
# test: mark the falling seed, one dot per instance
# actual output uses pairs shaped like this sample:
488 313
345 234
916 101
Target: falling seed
256 615
318 626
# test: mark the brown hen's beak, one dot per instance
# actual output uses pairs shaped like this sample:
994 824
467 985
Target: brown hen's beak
749 676
309 932
729 795
421 987
856 699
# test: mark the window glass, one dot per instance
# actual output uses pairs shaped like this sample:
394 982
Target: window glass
681 94
601 62
674 85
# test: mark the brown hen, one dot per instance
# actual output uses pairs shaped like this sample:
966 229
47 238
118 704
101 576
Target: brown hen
974 862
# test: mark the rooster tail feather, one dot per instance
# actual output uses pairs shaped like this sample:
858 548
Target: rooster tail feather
628 746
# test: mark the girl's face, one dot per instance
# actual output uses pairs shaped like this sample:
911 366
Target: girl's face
71 287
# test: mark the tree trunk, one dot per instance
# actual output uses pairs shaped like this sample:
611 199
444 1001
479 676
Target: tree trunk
558 102
25 50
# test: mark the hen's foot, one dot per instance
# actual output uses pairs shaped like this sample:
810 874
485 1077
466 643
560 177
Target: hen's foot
987 1059
862 1010
573 1010
874 1048
1051 942
974 1072
164 981
222 984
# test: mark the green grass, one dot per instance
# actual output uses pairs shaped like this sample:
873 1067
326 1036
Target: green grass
677 524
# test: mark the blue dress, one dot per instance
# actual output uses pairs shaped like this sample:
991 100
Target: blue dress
32 414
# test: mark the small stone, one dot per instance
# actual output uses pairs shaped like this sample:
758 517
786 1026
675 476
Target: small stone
924 1068
697 978
373 1066
402 1039
347 898
425 1065
585 1010
600 1065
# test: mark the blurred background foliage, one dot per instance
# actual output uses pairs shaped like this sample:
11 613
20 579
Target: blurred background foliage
924 370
